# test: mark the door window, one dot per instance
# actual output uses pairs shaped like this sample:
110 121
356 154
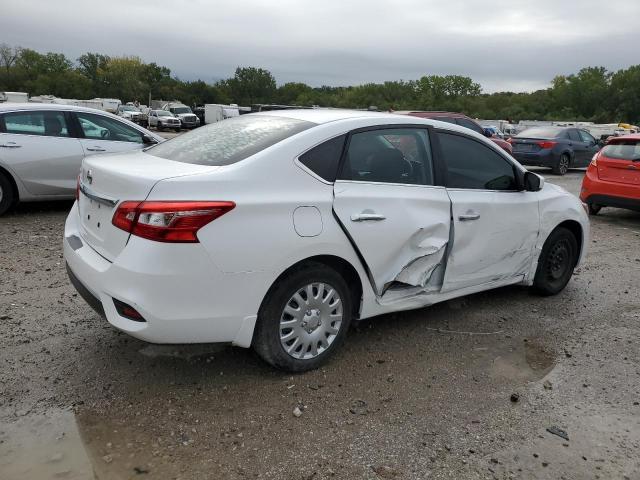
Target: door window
573 135
324 159
465 122
586 137
99 127
49 124
394 155
470 164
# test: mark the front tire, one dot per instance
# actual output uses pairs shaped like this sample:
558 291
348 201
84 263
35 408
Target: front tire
303 318
7 194
562 167
557 260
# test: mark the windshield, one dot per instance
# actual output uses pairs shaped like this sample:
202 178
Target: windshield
540 132
181 110
129 108
164 113
229 141
623 150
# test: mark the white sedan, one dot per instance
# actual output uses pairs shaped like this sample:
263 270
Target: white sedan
276 230
42 147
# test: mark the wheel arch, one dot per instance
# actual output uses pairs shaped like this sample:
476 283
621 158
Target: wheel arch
576 229
340 265
12 181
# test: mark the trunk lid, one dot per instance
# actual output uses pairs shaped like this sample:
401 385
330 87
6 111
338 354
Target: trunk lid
619 162
526 145
107 180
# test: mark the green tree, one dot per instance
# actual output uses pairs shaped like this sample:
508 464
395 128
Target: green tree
252 85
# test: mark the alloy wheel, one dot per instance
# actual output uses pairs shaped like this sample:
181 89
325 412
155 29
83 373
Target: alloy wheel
563 164
311 321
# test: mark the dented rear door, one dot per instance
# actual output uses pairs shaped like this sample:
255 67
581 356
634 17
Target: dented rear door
387 204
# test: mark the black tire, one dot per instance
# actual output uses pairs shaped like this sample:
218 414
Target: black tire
7 194
266 337
562 167
556 263
158 127
594 208
177 130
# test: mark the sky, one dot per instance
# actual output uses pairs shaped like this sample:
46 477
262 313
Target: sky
503 45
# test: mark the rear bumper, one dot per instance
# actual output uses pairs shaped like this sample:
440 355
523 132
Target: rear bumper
182 296
544 158
609 194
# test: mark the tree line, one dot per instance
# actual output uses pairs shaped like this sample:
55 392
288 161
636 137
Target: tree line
592 94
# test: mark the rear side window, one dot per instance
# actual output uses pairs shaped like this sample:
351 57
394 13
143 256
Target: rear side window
472 165
48 124
324 159
229 141
627 150
394 155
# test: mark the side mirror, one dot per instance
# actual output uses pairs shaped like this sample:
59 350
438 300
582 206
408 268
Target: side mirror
147 140
488 132
533 182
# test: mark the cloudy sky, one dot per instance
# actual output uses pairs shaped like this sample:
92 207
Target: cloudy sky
504 45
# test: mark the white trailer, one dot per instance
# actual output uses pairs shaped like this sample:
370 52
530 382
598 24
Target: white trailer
215 112
14 97
109 104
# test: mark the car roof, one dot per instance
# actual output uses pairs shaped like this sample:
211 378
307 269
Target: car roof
631 136
8 106
325 115
430 114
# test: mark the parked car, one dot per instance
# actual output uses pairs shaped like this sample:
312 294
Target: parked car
161 119
187 118
42 147
463 121
276 230
613 176
130 112
558 148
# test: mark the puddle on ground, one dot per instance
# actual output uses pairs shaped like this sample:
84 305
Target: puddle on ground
517 360
44 447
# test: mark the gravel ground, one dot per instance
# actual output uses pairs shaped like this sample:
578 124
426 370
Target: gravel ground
464 389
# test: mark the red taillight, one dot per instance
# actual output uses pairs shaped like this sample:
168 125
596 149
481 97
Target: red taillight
171 221
78 187
547 144
594 160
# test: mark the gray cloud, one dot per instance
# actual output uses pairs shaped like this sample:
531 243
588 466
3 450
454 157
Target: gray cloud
505 45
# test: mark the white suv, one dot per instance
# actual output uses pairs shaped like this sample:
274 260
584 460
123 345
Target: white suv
276 230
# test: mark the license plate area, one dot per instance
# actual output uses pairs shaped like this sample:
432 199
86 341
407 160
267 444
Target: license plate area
95 216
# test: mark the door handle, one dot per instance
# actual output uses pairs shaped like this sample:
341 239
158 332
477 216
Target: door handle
469 216
364 217
10 145
96 149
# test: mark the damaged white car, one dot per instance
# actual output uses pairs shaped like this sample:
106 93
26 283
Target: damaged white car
277 230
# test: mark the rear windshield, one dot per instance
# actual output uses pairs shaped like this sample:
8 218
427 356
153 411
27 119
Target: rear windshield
623 150
540 132
229 141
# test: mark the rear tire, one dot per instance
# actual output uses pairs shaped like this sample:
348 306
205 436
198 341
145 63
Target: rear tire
557 260
562 167
316 332
7 194
594 208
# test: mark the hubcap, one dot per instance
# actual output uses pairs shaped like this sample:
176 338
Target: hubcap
310 321
559 258
564 164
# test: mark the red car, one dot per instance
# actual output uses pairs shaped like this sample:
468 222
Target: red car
613 177
463 121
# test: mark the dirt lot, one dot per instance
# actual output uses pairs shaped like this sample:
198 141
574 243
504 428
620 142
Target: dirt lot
425 394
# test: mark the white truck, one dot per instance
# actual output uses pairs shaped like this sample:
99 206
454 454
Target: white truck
215 112
14 97
188 119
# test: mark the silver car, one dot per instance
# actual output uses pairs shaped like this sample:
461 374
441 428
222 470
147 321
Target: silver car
42 147
161 119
